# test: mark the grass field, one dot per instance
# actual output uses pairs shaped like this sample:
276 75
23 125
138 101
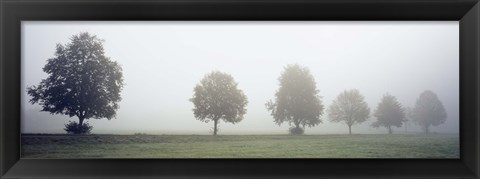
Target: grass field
241 146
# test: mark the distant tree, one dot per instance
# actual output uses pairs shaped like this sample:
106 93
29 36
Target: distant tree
81 82
389 113
429 111
408 118
296 101
217 97
349 107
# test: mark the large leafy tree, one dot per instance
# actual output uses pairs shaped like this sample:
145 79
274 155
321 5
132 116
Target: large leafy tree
217 97
297 100
81 82
389 113
350 108
429 111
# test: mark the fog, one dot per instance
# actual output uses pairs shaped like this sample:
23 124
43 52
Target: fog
163 61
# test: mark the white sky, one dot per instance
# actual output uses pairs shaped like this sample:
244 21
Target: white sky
163 61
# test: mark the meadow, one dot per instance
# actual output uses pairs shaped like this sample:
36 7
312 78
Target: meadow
240 146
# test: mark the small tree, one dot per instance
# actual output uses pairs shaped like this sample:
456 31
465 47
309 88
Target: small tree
217 97
296 101
349 107
429 111
389 113
408 118
81 82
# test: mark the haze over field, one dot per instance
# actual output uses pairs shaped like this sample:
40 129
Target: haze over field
163 61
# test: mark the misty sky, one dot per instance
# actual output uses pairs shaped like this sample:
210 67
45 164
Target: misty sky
163 61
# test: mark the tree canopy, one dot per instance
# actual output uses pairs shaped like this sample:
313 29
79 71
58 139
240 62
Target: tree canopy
81 82
389 113
218 97
350 108
297 100
429 111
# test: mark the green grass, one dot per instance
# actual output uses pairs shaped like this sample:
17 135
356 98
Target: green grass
241 146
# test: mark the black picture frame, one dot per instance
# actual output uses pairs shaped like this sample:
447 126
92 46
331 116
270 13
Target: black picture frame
467 12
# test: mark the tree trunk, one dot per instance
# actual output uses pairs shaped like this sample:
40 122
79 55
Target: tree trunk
80 119
350 130
390 129
80 123
215 121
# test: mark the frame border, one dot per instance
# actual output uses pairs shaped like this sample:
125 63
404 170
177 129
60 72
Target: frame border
12 12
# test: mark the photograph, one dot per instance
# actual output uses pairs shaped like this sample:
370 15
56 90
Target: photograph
240 89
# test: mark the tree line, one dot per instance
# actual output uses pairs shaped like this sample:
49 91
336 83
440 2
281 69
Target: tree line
83 82
298 103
